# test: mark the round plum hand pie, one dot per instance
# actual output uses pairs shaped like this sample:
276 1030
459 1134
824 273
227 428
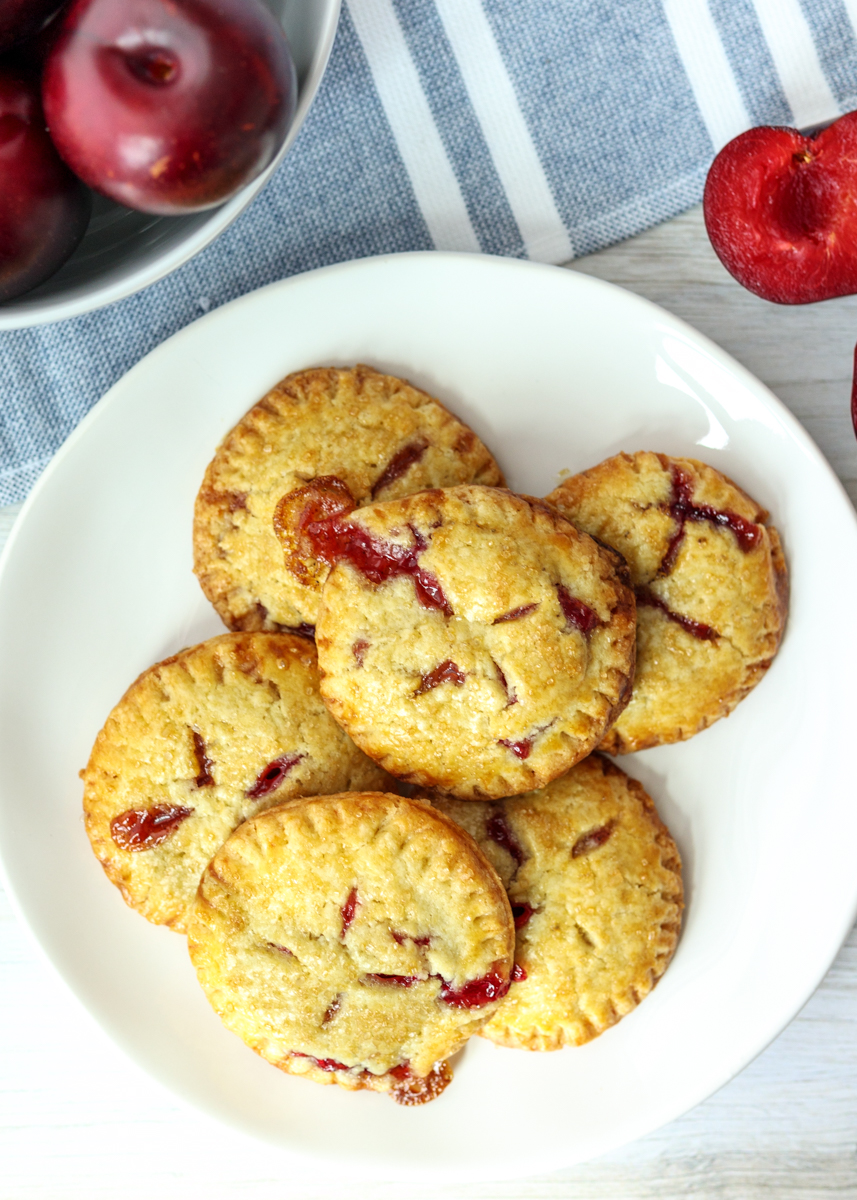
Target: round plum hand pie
356 939
322 441
595 884
197 744
711 585
471 640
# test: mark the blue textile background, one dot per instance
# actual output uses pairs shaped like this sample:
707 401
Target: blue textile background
611 107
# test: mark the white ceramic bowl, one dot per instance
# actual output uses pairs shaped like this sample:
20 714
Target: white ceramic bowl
124 251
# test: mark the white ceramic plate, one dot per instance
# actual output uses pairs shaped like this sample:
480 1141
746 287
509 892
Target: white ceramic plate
555 371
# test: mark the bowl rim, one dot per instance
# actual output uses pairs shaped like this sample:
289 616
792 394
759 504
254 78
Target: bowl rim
53 309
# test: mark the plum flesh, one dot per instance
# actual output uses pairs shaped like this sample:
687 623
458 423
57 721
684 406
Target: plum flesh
781 211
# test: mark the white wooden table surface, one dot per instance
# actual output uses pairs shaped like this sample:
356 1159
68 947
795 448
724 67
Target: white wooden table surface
78 1120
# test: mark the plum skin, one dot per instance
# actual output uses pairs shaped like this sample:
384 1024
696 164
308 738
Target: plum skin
169 106
44 209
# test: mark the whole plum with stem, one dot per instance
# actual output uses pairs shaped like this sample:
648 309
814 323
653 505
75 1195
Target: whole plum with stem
169 106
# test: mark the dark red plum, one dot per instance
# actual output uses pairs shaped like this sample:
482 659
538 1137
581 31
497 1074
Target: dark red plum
20 19
169 106
44 209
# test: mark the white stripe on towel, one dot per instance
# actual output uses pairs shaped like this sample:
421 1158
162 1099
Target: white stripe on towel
406 108
708 70
493 98
789 39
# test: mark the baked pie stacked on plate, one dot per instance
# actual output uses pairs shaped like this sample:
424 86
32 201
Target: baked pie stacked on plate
376 806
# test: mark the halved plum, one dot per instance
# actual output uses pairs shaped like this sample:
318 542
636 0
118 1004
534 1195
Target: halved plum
781 211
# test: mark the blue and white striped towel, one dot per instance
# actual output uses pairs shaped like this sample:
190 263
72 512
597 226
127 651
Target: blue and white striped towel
533 128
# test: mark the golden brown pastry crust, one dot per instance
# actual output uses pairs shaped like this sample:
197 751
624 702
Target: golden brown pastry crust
332 934
516 679
323 422
193 735
711 604
590 857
